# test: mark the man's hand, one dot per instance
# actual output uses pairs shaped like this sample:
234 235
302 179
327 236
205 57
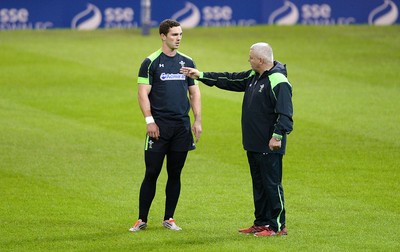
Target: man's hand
153 131
190 72
197 130
274 144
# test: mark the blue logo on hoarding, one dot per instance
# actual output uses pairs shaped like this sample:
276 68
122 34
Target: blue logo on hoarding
88 19
385 14
126 14
18 19
288 14
189 21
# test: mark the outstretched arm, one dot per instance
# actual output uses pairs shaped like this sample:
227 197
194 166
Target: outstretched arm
228 81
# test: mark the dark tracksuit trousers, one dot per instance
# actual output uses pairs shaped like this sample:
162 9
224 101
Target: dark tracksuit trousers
266 174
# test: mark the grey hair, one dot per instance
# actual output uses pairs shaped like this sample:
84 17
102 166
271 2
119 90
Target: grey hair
264 51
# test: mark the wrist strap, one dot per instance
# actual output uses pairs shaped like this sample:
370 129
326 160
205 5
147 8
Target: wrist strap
149 119
277 136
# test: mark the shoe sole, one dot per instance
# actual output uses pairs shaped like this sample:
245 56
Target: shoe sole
243 233
276 234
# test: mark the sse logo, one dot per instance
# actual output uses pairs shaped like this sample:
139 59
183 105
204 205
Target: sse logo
223 16
13 19
119 14
14 15
114 17
190 16
119 18
217 13
321 14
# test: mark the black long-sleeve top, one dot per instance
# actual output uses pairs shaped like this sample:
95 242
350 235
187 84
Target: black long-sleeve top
267 107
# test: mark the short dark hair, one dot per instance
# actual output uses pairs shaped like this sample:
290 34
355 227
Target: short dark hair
166 25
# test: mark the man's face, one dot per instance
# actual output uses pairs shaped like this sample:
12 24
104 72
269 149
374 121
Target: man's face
173 38
254 60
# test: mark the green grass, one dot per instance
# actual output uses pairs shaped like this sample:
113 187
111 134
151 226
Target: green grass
72 137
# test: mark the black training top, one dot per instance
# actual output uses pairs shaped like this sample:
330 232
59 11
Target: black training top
267 107
169 88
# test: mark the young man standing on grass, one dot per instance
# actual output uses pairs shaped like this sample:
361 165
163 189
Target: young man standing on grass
267 112
163 99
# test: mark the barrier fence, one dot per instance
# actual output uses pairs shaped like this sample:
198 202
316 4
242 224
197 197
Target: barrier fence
96 14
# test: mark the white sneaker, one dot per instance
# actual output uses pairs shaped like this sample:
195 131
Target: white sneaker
139 225
170 224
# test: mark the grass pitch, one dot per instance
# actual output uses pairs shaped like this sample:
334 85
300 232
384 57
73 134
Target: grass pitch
72 137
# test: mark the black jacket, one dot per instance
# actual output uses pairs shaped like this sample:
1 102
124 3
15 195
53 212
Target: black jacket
267 107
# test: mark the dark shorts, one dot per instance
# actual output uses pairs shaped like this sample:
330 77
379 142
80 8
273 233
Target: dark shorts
172 138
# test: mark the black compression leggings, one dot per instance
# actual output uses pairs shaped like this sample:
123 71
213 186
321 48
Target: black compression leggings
154 162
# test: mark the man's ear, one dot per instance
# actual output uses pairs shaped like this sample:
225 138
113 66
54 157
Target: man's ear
163 37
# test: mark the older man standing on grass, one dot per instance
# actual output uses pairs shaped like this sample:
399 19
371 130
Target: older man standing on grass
267 112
